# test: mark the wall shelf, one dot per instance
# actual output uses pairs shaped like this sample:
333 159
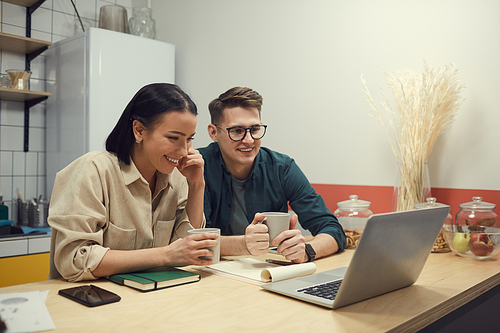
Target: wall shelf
22 95
24 3
21 44
31 47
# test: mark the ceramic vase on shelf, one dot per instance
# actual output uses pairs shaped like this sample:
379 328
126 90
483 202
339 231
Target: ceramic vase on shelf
412 187
141 23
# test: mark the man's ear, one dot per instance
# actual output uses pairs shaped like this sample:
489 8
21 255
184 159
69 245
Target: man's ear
138 129
212 131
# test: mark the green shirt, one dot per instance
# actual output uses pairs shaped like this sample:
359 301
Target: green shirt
274 183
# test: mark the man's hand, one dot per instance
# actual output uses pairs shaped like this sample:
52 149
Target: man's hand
292 245
256 236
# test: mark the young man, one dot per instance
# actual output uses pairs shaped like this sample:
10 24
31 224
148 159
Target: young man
242 179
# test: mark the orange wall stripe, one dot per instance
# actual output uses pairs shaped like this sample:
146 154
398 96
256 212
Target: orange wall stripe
381 196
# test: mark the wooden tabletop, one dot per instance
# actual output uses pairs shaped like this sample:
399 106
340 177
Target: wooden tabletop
222 304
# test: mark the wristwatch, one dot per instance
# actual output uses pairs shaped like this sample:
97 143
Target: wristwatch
310 252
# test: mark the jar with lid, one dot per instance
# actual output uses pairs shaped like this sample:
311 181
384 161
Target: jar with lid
353 213
431 202
141 23
440 245
478 214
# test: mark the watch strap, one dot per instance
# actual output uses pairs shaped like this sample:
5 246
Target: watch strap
310 252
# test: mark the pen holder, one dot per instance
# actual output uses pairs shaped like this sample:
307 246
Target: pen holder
37 214
22 213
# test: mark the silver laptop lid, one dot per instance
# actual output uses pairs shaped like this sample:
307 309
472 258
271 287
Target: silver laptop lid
391 254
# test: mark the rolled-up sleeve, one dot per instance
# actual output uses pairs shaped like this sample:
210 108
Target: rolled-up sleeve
77 217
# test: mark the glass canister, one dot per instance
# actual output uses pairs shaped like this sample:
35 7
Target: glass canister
431 202
5 80
141 23
440 245
478 214
353 213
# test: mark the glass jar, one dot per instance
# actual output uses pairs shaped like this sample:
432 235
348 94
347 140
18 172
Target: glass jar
440 245
353 213
431 202
477 214
5 80
141 23
19 78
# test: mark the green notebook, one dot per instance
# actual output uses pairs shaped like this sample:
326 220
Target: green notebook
156 278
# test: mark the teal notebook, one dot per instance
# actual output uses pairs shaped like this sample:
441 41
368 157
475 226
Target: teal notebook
156 278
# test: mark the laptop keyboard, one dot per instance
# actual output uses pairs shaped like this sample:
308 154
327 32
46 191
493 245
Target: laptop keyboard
326 290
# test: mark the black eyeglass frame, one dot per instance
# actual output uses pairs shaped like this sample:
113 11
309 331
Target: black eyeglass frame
247 130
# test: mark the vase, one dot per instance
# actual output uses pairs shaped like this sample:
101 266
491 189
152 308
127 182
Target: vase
141 23
412 187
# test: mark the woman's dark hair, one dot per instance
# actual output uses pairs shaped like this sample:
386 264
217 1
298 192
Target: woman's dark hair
148 104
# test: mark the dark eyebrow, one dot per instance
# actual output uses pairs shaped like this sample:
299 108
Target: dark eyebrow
180 133
177 132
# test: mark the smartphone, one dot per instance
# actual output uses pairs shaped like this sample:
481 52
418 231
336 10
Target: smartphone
90 295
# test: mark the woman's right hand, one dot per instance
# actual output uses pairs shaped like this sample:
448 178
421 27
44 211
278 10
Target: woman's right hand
186 251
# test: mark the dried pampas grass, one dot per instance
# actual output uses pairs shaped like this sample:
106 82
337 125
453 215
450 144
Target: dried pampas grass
426 104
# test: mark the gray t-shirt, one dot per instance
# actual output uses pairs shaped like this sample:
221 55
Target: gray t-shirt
238 221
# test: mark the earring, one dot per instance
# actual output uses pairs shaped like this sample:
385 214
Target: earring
137 141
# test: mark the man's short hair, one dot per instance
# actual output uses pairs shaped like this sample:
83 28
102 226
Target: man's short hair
234 97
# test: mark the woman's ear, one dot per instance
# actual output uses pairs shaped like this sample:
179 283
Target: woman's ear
138 129
212 131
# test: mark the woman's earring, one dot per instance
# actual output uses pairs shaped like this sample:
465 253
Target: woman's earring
137 141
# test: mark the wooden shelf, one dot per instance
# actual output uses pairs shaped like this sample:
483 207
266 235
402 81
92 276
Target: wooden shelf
31 47
21 44
21 95
24 3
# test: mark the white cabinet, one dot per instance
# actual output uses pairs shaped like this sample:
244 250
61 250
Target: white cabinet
24 245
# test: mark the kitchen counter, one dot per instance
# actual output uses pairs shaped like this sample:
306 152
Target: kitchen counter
24 244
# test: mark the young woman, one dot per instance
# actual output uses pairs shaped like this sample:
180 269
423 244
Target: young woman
130 207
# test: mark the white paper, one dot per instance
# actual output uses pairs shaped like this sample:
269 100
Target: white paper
287 272
25 312
262 271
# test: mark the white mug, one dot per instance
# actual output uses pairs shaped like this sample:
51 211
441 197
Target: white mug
216 249
276 222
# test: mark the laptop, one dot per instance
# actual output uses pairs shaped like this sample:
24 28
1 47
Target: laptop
390 255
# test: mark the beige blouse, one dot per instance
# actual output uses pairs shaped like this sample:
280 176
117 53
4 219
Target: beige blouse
99 203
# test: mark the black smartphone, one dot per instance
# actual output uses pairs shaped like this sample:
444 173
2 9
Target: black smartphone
90 295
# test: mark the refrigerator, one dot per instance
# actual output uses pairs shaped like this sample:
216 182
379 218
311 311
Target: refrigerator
92 76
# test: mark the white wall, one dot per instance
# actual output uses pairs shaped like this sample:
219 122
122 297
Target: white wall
306 59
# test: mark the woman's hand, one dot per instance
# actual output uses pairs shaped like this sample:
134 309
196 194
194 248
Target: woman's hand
186 251
191 166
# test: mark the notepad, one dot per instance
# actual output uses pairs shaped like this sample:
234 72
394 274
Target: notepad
156 278
260 271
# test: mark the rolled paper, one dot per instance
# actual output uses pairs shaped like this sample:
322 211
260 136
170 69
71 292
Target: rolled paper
287 272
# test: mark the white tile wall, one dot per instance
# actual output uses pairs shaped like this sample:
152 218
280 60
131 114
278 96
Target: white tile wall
53 21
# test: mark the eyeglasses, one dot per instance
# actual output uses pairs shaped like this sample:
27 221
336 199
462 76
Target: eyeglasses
238 133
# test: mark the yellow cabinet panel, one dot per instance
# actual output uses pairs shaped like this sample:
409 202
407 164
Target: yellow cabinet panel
24 269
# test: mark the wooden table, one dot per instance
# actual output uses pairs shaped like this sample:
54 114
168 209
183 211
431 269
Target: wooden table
222 304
